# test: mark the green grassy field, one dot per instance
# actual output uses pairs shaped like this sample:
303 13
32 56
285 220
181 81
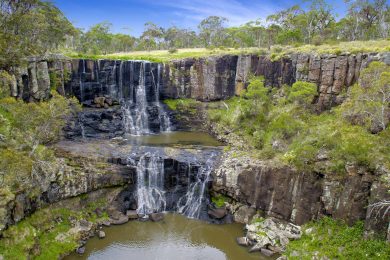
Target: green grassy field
274 52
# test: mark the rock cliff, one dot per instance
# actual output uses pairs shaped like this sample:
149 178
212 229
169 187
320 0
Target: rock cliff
204 79
299 197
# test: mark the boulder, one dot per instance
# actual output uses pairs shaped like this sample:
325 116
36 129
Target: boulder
120 220
156 217
101 234
242 241
217 213
267 252
80 250
99 101
132 214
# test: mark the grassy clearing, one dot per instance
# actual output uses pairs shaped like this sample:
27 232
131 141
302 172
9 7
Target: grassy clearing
333 239
276 52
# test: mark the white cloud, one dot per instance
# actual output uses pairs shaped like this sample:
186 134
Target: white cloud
236 12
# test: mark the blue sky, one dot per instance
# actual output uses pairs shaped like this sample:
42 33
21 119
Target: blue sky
129 16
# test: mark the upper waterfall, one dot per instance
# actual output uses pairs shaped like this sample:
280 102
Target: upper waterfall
136 85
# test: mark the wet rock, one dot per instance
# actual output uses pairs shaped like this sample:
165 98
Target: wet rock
132 214
117 217
261 242
244 214
99 101
101 234
242 241
156 217
120 220
267 252
217 213
80 250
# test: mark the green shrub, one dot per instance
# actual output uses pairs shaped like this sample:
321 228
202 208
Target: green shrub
302 93
333 239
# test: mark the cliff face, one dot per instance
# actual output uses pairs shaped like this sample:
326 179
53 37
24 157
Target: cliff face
204 79
300 197
216 78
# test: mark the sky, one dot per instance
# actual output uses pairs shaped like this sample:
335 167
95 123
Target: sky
129 16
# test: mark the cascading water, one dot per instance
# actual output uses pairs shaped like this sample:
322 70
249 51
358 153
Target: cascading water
135 114
136 109
189 195
191 204
150 184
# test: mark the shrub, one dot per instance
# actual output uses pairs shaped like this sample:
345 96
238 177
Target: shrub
302 93
334 239
173 50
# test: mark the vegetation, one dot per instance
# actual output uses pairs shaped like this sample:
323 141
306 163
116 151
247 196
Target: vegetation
333 239
185 105
283 124
46 233
315 23
30 27
219 200
25 130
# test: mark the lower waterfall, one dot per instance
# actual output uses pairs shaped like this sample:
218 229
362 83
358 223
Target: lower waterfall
154 194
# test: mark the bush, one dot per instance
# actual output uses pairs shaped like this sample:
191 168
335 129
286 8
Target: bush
173 50
303 93
334 239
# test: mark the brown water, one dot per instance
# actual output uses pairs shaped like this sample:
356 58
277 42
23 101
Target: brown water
174 138
176 237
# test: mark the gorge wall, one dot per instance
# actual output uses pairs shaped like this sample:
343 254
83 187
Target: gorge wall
204 79
300 197
281 192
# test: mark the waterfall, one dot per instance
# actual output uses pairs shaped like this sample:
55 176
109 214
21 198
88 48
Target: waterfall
150 184
191 204
164 118
136 109
82 74
135 115
154 195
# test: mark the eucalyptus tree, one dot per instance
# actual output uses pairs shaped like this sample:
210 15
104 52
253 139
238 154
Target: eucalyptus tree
212 30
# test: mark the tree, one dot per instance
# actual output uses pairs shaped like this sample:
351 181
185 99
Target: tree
152 35
97 39
369 101
29 27
212 30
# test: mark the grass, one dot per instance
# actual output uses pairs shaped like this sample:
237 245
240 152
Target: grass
44 235
275 52
333 239
182 105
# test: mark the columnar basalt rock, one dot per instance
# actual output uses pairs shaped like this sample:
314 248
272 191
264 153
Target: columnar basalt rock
299 197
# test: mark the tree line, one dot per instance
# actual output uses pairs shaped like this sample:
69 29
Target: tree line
29 27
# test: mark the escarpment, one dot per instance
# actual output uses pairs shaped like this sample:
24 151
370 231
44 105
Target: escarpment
205 79
281 192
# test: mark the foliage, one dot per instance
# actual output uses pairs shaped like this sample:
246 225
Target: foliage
25 129
185 105
30 27
334 239
5 84
219 200
370 100
302 93
289 130
45 234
